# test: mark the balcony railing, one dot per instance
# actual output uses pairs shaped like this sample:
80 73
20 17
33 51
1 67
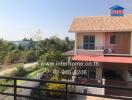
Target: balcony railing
94 48
65 91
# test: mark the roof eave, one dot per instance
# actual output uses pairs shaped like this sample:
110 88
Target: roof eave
99 31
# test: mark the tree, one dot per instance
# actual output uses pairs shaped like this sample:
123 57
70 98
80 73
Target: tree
37 36
5 47
51 48
52 57
20 47
25 39
30 56
12 57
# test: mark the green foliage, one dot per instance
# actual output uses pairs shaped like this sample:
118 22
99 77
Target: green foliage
53 86
17 56
36 72
3 81
10 53
12 57
5 47
56 44
48 49
52 57
56 78
20 70
29 55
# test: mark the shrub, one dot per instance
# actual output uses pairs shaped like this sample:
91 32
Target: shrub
20 70
52 86
7 82
30 56
12 57
52 58
56 78
27 56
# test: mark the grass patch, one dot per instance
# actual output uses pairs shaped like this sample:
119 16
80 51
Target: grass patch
37 72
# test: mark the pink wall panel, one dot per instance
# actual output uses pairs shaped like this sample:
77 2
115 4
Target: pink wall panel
123 44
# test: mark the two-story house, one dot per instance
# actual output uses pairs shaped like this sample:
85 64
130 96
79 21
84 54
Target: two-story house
107 40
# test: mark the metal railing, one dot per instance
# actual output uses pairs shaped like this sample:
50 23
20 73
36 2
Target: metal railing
95 47
65 91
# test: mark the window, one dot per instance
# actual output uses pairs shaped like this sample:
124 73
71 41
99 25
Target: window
89 42
113 38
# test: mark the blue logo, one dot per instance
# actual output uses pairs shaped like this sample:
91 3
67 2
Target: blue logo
117 10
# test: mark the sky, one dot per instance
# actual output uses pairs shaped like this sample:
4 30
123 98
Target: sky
21 18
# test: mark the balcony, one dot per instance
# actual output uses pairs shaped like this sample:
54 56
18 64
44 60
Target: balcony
67 93
100 50
96 50
91 48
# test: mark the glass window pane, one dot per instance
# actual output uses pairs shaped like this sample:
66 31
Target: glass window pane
113 39
89 42
86 39
85 46
92 46
92 39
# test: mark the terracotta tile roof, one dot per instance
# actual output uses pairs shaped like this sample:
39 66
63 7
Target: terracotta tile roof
102 23
109 59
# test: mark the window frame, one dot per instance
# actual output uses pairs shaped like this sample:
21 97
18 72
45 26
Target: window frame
89 43
115 39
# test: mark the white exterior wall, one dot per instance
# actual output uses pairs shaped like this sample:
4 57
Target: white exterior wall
92 90
126 76
131 45
99 38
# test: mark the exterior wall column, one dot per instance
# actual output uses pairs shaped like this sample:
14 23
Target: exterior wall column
125 75
131 45
99 73
99 78
75 49
74 74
